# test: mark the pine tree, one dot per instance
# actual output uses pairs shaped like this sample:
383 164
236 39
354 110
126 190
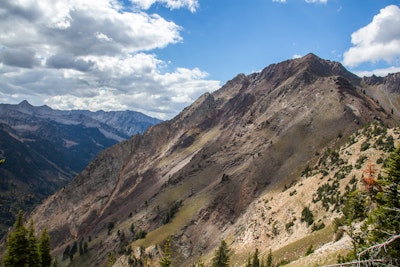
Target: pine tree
85 247
23 248
256 260
269 259
44 249
111 259
221 257
385 219
166 259
17 245
55 262
33 253
249 262
67 252
81 247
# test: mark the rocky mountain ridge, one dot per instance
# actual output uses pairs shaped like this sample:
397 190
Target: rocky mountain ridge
385 90
117 125
44 148
219 155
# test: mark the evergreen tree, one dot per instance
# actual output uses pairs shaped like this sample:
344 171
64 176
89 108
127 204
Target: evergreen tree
249 262
44 249
17 245
166 259
221 256
256 260
23 248
85 247
33 253
74 248
111 259
385 219
66 252
269 259
81 247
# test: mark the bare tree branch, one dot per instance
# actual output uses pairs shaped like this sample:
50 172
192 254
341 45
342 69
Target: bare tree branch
360 262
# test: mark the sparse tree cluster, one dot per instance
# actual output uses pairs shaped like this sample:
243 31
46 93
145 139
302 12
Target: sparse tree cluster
25 249
385 219
171 212
380 212
254 261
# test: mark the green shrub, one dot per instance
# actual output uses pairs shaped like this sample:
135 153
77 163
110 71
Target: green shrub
364 146
360 161
307 216
310 250
317 227
289 225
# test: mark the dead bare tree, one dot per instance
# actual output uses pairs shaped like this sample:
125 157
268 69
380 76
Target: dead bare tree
374 252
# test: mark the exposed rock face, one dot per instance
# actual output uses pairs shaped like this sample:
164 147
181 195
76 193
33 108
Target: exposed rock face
385 90
216 156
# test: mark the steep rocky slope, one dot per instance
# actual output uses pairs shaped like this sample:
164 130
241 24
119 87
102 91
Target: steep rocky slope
198 177
386 91
44 148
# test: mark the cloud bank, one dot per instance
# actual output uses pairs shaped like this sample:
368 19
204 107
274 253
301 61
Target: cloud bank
73 54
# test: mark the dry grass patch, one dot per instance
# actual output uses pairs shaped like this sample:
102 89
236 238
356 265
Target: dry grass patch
185 213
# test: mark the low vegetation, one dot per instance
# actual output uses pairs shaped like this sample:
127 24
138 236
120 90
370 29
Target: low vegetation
360 213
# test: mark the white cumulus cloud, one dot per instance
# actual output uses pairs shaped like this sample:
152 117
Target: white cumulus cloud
73 54
379 40
192 5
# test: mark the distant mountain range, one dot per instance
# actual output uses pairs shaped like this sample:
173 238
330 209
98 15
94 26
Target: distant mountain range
241 164
43 148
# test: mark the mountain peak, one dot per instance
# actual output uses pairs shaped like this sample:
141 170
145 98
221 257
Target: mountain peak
25 107
324 68
311 56
25 103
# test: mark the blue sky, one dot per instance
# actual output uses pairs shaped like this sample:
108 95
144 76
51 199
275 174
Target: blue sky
226 40
158 56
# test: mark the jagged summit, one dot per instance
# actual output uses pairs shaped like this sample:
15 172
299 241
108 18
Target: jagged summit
215 158
311 64
305 69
